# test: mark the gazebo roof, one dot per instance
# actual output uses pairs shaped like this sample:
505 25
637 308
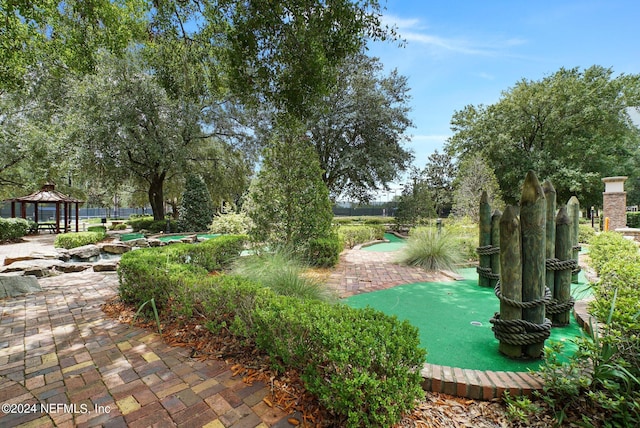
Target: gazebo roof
47 194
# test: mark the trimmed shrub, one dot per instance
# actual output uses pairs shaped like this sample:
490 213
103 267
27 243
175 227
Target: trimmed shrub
212 254
363 365
360 363
324 252
99 229
354 235
609 246
151 225
633 219
151 273
585 233
233 223
604 372
13 228
77 239
161 273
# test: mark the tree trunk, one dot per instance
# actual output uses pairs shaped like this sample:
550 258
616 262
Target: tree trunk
533 210
156 196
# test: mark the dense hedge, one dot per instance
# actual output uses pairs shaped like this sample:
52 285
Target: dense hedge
633 219
13 228
324 252
160 273
361 364
352 235
616 305
77 239
151 225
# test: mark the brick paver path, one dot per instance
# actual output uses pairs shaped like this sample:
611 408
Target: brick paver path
58 349
364 271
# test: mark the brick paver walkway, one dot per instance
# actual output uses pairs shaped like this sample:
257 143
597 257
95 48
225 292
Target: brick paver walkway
58 349
365 271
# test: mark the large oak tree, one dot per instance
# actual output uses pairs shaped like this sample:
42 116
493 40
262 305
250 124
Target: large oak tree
571 127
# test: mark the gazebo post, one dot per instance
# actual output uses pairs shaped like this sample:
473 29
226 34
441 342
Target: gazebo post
57 217
35 211
77 215
13 209
66 216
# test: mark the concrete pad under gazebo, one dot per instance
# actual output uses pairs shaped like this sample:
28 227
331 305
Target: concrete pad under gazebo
47 195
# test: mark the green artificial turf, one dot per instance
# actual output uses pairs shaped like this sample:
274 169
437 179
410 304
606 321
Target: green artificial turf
394 244
453 321
179 237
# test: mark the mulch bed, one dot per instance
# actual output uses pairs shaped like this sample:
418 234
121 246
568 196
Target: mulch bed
287 390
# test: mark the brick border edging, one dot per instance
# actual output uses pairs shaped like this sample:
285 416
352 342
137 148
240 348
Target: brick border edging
487 385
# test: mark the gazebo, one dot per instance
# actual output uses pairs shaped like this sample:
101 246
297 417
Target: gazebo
47 195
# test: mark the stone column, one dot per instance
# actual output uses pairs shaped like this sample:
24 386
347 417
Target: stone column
614 202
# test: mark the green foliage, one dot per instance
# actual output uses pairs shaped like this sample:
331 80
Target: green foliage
99 229
360 363
152 226
324 252
363 365
603 374
120 226
283 273
474 177
633 219
161 273
352 235
432 250
572 127
467 233
360 156
585 233
288 202
13 228
235 223
416 204
611 246
77 239
196 210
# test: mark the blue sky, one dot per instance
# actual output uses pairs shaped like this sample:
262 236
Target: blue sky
468 52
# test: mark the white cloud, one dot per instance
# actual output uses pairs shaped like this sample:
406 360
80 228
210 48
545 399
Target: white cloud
413 30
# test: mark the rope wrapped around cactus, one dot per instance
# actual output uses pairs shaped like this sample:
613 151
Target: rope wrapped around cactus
521 332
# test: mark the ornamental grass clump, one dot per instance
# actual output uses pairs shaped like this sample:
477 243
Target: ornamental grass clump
432 250
283 273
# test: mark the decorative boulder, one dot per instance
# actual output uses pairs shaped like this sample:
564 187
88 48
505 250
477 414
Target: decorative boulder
85 251
38 268
114 247
105 266
16 285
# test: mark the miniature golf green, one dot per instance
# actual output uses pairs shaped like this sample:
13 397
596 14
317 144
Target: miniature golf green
165 238
453 321
394 243
168 238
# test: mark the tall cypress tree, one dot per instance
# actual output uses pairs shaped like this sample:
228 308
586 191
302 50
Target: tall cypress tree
288 202
196 211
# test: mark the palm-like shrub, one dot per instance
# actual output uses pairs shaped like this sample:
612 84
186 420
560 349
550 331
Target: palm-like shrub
432 250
